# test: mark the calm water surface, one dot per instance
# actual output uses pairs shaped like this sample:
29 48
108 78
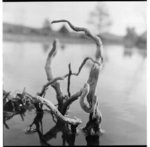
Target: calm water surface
121 90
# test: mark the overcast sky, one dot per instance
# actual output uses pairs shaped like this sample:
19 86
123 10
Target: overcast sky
33 14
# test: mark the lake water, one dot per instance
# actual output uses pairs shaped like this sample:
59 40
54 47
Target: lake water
121 90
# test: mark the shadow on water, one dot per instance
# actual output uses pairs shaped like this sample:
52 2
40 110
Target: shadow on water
63 46
68 137
16 106
122 87
128 52
143 53
92 140
46 47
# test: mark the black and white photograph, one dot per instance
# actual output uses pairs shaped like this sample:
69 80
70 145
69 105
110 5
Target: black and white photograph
74 73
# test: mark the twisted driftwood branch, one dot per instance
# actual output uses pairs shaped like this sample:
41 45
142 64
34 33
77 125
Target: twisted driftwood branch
55 111
95 38
94 74
83 105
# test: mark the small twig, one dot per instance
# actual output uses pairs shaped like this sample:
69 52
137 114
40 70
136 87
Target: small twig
50 83
29 95
82 64
69 76
23 90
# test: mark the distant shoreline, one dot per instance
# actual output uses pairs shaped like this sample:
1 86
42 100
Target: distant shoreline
18 33
8 37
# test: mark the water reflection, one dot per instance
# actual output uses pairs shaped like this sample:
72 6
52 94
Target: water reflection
63 46
128 52
39 125
143 53
14 107
122 87
93 140
68 137
45 47
6 117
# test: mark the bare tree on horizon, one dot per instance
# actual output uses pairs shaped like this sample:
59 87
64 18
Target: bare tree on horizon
100 18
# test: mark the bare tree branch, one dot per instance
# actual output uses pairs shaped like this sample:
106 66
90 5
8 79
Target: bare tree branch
49 61
82 64
95 38
48 70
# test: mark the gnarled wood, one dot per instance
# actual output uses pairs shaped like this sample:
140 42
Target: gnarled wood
56 112
96 39
94 74
92 80
49 73
83 105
